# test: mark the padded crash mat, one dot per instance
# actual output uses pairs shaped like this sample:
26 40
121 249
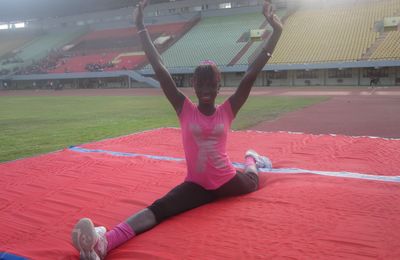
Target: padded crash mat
326 197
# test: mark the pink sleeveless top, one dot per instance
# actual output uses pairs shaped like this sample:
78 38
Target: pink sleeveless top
204 142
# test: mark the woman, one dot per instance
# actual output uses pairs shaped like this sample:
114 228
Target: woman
210 173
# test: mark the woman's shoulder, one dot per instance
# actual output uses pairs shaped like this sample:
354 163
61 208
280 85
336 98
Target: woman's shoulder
188 105
226 107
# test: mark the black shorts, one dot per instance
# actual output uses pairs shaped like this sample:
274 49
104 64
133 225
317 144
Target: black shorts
189 195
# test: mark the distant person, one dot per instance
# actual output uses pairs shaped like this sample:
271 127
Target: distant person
374 81
205 126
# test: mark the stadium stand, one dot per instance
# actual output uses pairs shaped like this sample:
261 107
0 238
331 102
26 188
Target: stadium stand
39 48
13 40
124 39
94 62
36 50
128 60
332 34
120 47
317 39
212 38
389 49
255 45
10 44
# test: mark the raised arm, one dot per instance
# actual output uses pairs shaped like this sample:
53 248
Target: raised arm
242 92
175 97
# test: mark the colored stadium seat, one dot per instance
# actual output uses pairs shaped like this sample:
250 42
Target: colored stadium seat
10 41
40 46
316 35
389 49
212 38
118 46
256 44
78 63
332 34
128 60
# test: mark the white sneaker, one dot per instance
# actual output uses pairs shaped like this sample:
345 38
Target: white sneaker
261 161
90 241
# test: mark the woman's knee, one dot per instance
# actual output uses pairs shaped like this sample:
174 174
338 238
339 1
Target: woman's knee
242 183
180 199
160 210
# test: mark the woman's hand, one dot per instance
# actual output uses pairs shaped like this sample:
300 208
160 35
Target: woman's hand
138 14
272 18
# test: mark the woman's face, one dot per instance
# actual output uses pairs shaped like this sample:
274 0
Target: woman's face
206 83
206 91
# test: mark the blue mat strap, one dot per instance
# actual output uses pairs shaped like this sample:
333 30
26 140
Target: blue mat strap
9 256
241 166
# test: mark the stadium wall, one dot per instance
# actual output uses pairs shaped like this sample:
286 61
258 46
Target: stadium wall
345 81
60 84
319 74
388 76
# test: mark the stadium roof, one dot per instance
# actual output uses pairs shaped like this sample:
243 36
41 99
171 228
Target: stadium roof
17 10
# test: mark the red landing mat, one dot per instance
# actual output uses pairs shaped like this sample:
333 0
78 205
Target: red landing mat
299 216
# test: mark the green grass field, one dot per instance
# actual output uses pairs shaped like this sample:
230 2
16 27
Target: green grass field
36 125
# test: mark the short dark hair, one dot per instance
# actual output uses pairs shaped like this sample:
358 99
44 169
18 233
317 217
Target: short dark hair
206 73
